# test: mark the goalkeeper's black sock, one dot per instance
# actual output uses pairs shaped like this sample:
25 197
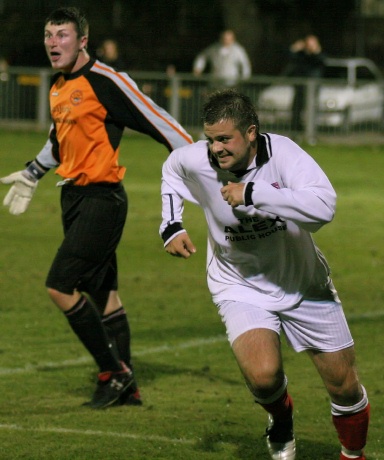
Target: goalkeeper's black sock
85 321
118 330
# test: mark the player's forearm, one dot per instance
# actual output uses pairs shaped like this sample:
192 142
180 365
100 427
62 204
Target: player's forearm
43 162
172 214
45 157
35 170
309 208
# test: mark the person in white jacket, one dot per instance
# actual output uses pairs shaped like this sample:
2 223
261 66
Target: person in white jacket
227 60
263 196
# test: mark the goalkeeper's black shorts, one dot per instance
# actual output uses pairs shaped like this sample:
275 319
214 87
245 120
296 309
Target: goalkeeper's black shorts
93 218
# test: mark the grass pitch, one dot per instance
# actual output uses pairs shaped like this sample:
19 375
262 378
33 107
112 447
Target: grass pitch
195 403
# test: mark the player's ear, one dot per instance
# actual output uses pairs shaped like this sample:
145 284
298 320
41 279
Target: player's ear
252 132
83 42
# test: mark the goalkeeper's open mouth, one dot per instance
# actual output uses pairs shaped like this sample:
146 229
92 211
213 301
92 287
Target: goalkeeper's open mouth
54 56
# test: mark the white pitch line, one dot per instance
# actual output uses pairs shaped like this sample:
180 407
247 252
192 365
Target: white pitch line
367 315
82 360
86 359
148 351
97 433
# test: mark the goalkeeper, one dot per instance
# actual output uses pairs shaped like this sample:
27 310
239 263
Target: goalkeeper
91 104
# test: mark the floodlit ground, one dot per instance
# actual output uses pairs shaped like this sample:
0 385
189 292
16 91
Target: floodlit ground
195 403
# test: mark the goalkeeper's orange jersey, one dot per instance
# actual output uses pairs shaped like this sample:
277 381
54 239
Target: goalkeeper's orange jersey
90 109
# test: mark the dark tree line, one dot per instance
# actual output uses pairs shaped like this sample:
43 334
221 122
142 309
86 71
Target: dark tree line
155 33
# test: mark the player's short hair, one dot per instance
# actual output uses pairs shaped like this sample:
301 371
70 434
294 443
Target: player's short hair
71 14
229 104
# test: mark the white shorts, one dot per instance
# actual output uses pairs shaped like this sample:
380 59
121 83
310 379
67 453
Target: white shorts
316 325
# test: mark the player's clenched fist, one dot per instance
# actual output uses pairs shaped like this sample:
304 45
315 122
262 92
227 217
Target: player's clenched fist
233 194
181 246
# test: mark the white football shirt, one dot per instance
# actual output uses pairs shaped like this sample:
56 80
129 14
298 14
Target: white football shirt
261 254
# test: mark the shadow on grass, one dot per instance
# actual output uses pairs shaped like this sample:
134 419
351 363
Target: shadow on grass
189 331
256 448
147 372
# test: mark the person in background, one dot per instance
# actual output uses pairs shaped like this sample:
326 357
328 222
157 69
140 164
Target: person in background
3 68
263 196
4 90
306 59
91 104
227 61
109 53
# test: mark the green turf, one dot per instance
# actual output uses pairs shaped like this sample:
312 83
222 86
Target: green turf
195 403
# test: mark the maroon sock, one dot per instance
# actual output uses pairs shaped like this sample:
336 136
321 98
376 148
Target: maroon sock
352 429
280 409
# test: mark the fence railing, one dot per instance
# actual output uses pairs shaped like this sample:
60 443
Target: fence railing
24 101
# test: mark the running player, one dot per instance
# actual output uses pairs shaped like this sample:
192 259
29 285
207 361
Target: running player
91 104
263 196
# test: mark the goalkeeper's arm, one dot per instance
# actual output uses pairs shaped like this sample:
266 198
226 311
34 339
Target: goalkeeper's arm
24 184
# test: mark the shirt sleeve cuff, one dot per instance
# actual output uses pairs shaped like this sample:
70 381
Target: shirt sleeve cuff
171 231
248 189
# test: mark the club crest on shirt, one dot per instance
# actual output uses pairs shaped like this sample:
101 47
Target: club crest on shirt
77 97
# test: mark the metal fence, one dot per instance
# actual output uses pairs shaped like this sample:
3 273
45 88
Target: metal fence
24 102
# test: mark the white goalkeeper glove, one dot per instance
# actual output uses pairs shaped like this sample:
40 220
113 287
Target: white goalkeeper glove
21 192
